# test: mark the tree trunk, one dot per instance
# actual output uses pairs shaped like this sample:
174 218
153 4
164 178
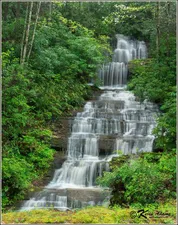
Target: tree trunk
23 37
18 9
158 29
168 30
27 33
50 11
34 30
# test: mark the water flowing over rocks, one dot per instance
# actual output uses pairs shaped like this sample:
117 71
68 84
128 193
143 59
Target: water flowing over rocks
113 122
114 74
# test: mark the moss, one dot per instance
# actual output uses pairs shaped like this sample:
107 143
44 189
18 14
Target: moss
119 161
157 213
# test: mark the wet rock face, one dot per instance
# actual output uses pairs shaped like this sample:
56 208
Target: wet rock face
61 129
106 146
93 197
59 144
64 199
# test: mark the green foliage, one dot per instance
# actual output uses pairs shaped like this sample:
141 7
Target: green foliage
155 81
25 140
157 214
29 100
68 48
90 15
17 175
131 14
151 79
142 180
165 131
65 56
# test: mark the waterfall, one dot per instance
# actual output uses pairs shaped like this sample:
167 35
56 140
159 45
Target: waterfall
114 74
112 123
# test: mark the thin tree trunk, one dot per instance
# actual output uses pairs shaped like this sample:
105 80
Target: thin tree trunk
158 29
34 30
168 30
27 34
18 9
50 11
23 37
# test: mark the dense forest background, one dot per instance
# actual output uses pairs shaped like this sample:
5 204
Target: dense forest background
50 52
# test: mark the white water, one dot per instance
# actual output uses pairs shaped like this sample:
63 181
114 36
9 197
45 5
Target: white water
114 74
117 115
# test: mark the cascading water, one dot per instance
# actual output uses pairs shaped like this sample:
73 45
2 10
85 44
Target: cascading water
116 117
115 73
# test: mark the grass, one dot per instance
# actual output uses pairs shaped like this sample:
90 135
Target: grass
156 214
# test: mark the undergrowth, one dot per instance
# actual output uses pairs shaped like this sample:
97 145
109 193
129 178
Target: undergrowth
154 213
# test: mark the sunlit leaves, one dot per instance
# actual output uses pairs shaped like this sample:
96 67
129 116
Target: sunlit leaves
155 81
146 178
65 55
68 48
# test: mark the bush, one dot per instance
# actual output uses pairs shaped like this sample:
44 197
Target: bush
17 175
142 180
64 58
155 81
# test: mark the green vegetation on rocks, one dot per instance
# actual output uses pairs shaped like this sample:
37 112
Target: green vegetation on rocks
156 214
141 179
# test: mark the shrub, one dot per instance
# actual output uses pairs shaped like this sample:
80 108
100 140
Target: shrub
142 180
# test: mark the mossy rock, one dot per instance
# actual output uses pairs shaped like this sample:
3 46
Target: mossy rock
119 161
